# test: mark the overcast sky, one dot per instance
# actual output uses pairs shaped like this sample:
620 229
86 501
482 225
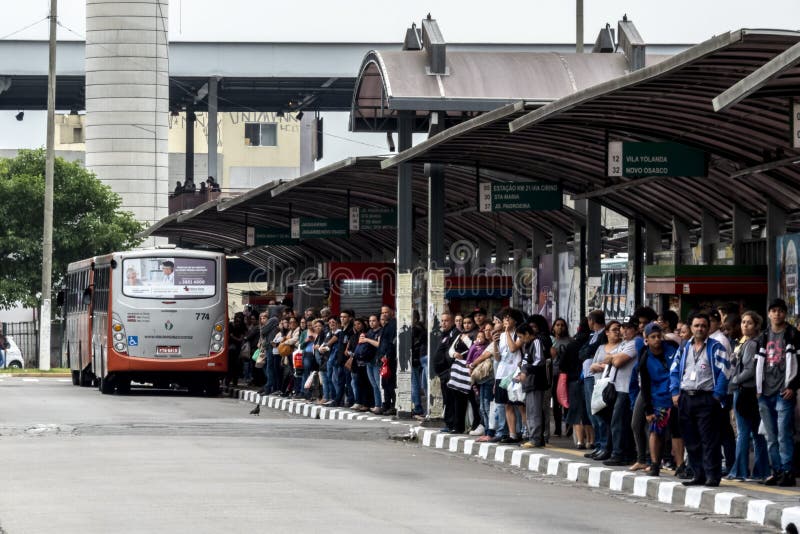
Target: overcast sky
521 21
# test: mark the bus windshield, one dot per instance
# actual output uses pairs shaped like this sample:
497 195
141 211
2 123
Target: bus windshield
169 277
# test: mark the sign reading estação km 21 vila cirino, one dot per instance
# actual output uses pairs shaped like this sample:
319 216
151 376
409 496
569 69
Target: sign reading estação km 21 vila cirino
520 196
264 236
637 160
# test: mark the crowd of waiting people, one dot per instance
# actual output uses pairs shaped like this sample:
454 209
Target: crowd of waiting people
651 392
647 392
343 360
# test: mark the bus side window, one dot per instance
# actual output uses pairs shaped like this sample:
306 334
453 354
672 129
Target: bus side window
87 296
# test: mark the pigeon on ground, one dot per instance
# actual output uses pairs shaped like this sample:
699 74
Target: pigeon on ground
256 410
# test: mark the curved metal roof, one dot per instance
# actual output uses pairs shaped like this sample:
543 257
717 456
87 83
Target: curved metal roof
392 81
566 141
327 192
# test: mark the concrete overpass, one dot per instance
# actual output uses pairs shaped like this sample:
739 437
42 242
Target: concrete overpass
254 76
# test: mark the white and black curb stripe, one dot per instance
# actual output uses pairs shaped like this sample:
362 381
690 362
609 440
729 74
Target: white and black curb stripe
716 501
310 410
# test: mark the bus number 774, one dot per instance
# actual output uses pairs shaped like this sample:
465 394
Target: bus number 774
202 317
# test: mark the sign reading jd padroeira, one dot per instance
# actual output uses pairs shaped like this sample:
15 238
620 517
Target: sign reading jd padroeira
638 160
520 196
263 236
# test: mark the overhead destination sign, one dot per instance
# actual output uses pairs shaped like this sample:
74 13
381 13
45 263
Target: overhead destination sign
263 236
636 160
520 196
376 218
314 228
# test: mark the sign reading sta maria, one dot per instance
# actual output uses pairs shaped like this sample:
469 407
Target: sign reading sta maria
520 196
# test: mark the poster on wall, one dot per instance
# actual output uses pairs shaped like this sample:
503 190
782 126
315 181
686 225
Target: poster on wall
568 287
545 297
786 266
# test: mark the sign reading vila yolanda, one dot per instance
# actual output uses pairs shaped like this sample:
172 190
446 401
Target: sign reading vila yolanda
376 218
312 228
636 160
263 236
520 196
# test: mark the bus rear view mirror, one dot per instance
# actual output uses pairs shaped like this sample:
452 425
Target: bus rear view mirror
87 296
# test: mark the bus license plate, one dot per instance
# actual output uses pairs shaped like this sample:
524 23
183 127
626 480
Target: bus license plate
165 349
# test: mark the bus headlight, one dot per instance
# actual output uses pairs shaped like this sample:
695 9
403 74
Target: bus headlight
217 337
118 336
215 347
120 347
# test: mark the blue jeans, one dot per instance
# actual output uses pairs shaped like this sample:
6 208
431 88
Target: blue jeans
308 364
374 375
273 381
621 433
328 391
354 384
599 424
748 427
416 389
338 379
486 391
778 417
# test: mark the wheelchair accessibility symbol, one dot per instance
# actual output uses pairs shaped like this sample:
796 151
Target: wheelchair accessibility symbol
133 341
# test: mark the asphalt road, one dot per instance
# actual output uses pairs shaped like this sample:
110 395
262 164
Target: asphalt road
77 461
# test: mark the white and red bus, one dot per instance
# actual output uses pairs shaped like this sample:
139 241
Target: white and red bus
155 316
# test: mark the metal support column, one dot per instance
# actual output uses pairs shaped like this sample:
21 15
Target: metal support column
776 225
680 240
484 260
213 166
709 237
561 309
435 287
520 291
501 255
635 267
405 232
742 231
190 119
653 242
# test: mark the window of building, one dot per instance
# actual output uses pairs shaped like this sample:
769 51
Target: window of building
260 134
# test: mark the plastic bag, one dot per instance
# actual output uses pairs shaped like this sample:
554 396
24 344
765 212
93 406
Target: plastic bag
515 393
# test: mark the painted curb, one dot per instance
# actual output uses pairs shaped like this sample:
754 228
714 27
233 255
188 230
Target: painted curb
720 501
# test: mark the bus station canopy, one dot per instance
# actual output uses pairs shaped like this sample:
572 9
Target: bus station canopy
390 82
222 224
566 141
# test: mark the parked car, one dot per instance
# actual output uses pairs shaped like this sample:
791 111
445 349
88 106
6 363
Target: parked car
12 356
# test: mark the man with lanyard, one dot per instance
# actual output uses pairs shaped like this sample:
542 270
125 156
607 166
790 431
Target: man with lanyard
776 382
597 324
698 384
441 366
654 369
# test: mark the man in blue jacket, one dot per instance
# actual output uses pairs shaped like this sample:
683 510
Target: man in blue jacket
698 384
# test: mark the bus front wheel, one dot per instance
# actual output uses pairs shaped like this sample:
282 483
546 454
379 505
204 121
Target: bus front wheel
107 385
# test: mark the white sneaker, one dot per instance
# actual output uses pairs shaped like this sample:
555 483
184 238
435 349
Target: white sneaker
478 431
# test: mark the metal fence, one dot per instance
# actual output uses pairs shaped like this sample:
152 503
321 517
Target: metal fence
26 336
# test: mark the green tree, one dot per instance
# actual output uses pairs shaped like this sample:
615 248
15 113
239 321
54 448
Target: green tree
86 222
